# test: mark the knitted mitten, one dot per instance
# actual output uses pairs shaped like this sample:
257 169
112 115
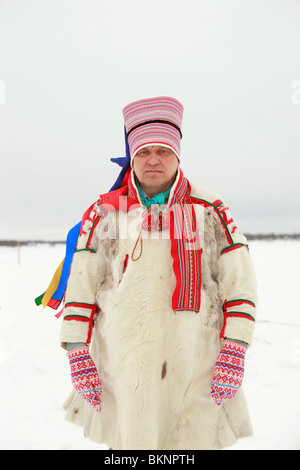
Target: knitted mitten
229 371
84 375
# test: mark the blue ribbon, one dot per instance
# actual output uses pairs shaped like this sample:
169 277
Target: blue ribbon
73 234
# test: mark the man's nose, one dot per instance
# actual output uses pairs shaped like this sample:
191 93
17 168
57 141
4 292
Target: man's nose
153 158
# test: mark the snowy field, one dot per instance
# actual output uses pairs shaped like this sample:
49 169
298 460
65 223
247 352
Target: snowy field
34 371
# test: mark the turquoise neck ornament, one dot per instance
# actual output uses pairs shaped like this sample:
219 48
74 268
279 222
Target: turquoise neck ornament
160 198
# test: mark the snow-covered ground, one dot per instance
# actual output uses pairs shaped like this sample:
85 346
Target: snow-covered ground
34 373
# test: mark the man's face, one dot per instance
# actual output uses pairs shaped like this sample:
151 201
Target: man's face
155 168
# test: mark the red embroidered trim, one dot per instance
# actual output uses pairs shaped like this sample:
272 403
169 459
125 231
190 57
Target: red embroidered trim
217 203
125 264
186 259
233 303
86 215
227 314
209 204
81 318
91 324
241 315
93 229
79 304
233 247
222 335
76 317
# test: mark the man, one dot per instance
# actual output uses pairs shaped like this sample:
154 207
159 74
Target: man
160 303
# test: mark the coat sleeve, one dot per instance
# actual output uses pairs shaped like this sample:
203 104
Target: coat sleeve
236 279
86 275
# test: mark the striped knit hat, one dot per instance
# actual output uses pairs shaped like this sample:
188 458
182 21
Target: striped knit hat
153 121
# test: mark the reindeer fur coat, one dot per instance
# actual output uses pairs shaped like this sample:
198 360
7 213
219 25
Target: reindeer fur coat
155 365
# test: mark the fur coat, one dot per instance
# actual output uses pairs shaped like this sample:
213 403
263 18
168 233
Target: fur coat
155 365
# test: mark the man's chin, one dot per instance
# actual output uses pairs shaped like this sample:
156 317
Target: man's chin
154 178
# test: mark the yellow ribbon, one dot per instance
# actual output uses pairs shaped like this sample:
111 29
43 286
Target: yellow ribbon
53 285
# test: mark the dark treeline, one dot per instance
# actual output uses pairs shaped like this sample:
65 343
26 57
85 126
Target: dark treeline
249 236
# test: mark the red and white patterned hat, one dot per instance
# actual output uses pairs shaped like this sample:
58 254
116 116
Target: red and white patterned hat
153 121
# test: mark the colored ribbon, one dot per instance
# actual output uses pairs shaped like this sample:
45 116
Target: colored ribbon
53 295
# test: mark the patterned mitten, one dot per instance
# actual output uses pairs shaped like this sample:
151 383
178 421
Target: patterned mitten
84 375
229 371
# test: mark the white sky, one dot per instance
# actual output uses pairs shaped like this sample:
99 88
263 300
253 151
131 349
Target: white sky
68 67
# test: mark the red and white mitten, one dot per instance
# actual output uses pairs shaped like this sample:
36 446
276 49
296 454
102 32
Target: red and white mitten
84 375
229 371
